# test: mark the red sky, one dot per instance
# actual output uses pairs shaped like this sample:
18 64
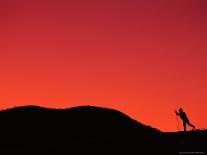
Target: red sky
143 58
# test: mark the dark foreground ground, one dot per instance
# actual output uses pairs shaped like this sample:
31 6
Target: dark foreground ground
89 130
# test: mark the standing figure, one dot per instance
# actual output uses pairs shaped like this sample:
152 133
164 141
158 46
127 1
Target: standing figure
184 118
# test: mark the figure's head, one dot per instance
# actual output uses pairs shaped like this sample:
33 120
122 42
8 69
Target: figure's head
180 110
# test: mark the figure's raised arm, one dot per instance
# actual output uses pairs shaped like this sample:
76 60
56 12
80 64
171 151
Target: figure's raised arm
176 112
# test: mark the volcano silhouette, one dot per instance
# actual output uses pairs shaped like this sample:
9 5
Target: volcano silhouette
86 129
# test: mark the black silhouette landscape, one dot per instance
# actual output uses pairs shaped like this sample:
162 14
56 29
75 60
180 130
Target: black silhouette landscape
88 129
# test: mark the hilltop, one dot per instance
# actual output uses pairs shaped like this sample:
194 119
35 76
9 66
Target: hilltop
34 129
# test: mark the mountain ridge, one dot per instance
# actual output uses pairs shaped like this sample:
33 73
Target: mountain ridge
32 127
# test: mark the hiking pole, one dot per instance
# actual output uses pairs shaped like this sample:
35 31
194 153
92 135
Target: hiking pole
178 124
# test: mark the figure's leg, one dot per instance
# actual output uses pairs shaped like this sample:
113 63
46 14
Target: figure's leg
184 126
191 125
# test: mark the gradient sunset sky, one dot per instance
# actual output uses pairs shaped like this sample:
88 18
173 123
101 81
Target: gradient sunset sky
144 58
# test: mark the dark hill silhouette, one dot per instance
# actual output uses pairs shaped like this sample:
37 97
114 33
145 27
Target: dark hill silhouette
33 129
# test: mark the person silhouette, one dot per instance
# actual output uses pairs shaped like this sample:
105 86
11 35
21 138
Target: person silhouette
184 118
